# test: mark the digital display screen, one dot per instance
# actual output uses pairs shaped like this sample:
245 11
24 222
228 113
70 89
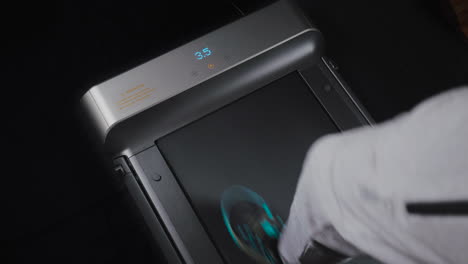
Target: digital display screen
201 54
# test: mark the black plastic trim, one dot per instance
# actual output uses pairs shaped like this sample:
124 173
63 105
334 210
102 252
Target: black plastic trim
439 208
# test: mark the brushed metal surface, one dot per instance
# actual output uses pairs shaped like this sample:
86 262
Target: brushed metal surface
153 82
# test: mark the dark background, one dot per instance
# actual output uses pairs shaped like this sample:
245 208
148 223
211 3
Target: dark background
57 201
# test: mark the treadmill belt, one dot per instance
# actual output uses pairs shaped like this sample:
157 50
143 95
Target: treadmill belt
258 141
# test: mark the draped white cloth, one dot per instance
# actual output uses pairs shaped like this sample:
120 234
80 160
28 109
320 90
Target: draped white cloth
354 188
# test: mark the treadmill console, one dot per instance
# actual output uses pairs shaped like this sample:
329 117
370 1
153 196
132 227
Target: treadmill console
183 68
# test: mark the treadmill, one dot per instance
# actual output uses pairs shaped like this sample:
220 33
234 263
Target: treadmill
238 106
